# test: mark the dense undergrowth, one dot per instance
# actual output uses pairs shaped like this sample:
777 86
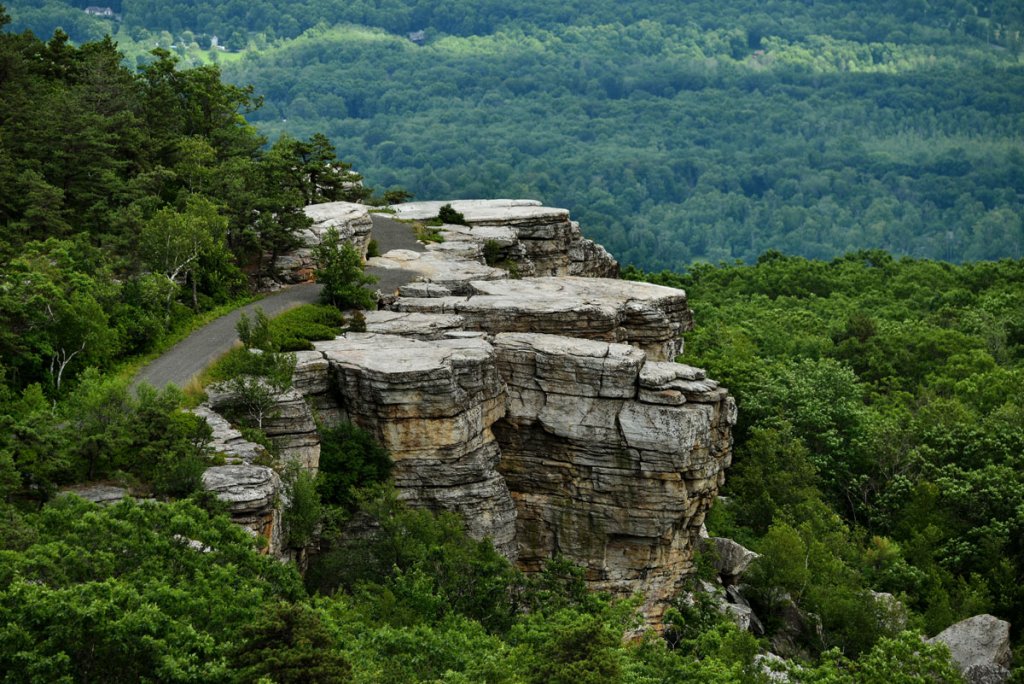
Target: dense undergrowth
881 432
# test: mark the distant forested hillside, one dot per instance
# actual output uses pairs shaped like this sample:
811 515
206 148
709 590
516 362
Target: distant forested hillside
674 131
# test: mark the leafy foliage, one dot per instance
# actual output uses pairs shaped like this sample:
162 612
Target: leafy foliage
870 453
350 459
340 271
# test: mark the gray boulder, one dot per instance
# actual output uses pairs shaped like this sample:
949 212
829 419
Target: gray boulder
980 646
732 559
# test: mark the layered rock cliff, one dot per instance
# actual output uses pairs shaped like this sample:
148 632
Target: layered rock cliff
546 411
538 240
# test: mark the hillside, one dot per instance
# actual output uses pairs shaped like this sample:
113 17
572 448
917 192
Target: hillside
878 446
712 133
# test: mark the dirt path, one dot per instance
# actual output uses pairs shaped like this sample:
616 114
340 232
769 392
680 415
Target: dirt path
189 357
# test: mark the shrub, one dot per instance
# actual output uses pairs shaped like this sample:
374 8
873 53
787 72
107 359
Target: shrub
448 215
492 252
296 329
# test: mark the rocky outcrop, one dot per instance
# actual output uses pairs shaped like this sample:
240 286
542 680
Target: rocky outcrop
616 482
252 495
431 404
980 647
352 221
647 316
104 494
288 424
538 240
731 559
547 411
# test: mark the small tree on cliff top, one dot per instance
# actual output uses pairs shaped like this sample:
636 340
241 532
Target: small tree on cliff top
340 271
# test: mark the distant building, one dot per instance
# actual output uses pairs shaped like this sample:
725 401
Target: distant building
215 43
418 37
103 12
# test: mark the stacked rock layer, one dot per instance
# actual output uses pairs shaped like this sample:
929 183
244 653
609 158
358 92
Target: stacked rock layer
546 411
539 240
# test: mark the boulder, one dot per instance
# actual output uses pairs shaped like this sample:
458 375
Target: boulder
252 494
980 647
731 558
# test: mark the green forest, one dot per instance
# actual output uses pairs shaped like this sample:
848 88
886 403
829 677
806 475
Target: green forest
674 132
838 192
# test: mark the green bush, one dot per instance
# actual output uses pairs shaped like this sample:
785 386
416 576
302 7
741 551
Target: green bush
492 252
350 458
340 271
448 215
306 323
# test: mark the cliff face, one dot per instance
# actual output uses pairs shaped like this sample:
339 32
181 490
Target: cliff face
612 459
546 411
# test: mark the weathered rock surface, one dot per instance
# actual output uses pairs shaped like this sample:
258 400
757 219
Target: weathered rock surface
251 493
352 221
614 483
104 494
439 274
539 240
546 411
731 558
647 316
980 647
289 425
226 440
431 404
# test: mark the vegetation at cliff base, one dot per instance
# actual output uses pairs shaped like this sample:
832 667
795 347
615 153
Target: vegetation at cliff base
881 433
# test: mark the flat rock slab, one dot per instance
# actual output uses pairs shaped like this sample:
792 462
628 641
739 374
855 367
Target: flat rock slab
453 274
422 326
650 317
480 210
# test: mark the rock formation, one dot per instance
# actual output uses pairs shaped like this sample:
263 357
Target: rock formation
352 221
546 411
432 405
650 317
612 479
539 240
980 647
252 494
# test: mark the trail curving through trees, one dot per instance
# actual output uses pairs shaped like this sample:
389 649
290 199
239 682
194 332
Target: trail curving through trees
189 357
